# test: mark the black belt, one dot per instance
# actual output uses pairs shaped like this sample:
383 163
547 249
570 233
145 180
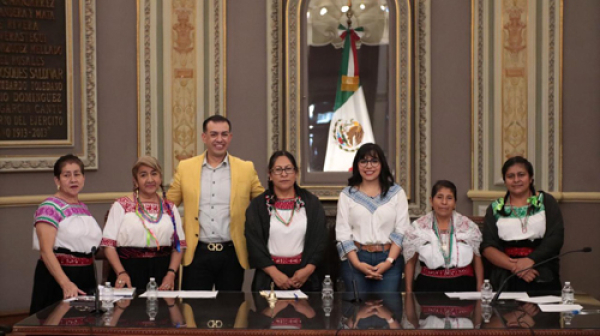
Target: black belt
75 254
215 247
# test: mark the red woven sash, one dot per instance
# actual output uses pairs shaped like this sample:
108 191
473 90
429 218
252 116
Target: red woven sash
448 273
295 260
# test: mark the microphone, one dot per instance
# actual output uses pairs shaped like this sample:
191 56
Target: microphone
97 309
356 294
495 299
356 298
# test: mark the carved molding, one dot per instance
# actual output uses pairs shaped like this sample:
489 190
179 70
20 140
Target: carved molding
543 87
424 110
35 200
89 131
147 74
274 88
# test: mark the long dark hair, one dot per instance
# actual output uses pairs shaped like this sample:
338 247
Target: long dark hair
515 160
272 160
386 179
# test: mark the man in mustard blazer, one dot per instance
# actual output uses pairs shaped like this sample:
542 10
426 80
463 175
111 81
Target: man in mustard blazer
215 188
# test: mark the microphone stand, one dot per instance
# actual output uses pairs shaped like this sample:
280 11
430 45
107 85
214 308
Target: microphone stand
497 296
97 307
356 298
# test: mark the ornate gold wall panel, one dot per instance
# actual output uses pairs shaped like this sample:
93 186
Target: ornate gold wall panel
514 78
516 90
181 76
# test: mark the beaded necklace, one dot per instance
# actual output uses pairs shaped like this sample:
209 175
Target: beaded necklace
273 209
149 233
523 222
447 256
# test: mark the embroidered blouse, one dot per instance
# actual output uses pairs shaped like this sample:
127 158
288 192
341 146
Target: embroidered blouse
421 238
519 224
287 240
370 220
77 230
125 228
544 234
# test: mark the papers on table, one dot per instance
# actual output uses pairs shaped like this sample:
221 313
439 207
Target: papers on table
542 299
477 295
553 308
185 294
286 294
121 291
119 294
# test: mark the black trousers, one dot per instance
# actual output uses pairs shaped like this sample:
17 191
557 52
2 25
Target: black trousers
219 268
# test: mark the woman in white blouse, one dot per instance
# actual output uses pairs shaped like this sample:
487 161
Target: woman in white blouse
65 234
442 247
285 231
143 236
372 216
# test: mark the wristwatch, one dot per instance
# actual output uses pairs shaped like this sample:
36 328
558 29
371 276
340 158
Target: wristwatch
391 260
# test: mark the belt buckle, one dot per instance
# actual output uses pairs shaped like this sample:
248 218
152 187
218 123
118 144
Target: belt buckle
214 324
215 247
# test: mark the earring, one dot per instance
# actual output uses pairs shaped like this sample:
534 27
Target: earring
58 187
137 192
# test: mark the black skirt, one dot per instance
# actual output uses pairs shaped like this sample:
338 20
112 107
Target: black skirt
140 271
47 291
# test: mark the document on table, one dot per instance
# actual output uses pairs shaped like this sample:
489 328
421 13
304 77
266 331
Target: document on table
477 295
542 299
119 293
286 294
553 308
185 294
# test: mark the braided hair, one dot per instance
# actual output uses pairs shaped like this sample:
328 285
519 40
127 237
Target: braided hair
529 167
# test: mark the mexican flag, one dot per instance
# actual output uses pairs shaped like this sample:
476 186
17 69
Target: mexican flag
350 125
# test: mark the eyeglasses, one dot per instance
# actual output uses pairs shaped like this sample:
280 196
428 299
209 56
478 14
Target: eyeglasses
287 170
374 163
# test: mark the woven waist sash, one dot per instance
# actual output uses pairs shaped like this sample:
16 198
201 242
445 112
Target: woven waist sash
448 273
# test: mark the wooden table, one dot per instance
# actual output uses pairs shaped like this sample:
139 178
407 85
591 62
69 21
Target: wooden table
249 314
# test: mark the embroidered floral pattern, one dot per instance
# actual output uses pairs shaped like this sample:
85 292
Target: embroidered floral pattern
53 210
371 203
129 205
419 234
518 212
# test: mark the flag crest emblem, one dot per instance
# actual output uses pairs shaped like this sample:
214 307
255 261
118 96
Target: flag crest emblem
348 134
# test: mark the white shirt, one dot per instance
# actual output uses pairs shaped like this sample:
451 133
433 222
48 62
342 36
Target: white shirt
511 228
77 230
371 220
124 228
215 194
421 238
287 240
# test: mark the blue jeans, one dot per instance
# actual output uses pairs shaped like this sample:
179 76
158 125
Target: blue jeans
390 283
